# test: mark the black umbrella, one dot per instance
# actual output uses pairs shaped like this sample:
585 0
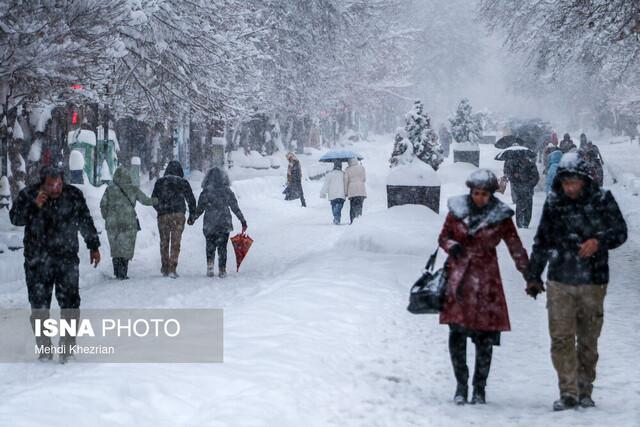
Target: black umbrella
508 141
515 152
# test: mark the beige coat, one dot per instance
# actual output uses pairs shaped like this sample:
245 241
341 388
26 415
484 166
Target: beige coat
354 180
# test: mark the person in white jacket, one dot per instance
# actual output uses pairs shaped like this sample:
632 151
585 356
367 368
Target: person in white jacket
355 188
333 188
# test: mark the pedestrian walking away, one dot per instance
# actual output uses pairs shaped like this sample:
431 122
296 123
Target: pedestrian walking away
172 192
333 189
118 208
523 176
355 187
552 168
475 305
216 201
53 213
580 224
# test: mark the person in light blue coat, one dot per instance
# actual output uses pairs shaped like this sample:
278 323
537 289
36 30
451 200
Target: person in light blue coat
552 168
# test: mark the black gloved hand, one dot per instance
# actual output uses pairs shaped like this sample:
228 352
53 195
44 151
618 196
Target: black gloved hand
533 289
456 251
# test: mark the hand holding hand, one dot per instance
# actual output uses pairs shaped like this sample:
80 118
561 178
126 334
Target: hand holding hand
533 289
94 258
588 248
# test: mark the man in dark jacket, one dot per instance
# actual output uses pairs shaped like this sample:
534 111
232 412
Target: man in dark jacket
52 214
580 223
523 176
172 191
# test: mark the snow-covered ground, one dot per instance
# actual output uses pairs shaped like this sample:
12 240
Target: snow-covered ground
316 327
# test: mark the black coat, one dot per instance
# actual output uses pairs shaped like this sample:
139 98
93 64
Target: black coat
53 229
523 175
294 181
172 191
567 223
216 202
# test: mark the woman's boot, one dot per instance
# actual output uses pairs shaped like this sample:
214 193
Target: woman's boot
210 272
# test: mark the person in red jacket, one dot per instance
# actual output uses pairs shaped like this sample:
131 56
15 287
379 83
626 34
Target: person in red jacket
475 306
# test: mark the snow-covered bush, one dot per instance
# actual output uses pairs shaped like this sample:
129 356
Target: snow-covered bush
417 140
465 127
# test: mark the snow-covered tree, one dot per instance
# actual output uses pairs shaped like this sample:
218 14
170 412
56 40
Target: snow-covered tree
418 140
465 126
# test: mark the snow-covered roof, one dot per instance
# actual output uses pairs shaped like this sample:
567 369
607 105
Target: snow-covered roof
416 173
83 136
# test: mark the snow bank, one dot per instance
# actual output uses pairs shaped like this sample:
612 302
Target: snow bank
253 160
404 230
416 173
455 172
466 146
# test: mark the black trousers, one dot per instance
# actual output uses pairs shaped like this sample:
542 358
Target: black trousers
120 267
524 207
458 353
217 242
44 273
355 207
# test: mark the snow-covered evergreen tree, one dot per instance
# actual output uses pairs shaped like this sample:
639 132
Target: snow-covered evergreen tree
465 127
421 140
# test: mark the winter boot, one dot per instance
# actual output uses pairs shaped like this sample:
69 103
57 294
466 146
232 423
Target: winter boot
67 345
125 268
587 402
223 273
210 272
564 403
462 392
174 275
44 345
478 396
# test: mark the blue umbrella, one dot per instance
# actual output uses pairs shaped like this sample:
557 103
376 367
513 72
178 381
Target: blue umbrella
339 156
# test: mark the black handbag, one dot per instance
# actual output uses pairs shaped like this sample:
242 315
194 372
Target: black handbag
427 294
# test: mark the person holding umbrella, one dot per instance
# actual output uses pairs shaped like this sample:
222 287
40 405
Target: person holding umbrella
334 189
216 202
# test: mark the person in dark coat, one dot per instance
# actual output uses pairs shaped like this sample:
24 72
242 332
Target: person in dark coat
591 154
475 306
172 192
216 202
580 224
293 190
53 213
567 145
523 176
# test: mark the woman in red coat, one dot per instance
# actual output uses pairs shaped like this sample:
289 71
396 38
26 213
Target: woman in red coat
475 306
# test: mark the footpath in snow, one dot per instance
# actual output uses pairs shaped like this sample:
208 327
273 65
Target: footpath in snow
316 328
